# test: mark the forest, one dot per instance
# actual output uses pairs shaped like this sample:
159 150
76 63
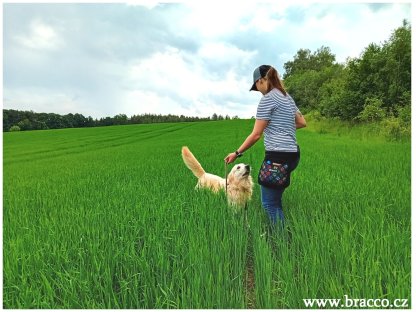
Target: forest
15 120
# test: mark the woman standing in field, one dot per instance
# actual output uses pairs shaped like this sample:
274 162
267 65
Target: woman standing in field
278 118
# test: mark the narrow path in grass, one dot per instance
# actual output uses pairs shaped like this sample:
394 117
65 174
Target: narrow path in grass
249 275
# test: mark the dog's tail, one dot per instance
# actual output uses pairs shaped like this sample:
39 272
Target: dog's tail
191 162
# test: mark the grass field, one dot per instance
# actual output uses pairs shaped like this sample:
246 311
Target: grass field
109 218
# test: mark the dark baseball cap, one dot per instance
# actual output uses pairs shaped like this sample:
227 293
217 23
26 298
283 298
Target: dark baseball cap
259 72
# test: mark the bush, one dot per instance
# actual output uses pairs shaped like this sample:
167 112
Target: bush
394 129
372 110
405 115
391 128
14 129
314 115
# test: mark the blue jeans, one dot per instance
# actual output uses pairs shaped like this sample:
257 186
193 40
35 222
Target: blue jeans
272 202
271 198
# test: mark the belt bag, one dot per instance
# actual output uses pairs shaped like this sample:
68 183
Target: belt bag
274 175
276 168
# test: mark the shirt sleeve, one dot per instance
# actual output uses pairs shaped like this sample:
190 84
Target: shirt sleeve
295 108
265 108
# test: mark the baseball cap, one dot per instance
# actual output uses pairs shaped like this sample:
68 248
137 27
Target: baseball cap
259 72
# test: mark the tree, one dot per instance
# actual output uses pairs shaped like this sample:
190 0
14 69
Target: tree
39 125
25 124
79 121
305 61
6 122
300 63
120 119
381 72
308 73
398 66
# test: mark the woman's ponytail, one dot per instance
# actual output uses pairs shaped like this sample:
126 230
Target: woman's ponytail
274 81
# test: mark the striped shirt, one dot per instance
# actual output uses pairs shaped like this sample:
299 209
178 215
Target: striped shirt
280 110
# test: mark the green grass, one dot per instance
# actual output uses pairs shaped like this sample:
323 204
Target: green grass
109 218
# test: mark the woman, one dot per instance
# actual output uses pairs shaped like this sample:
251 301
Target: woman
278 118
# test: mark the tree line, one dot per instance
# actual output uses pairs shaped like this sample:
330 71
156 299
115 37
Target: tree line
374 87
15 120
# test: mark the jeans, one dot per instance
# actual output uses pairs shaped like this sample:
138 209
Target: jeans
271 198
272 202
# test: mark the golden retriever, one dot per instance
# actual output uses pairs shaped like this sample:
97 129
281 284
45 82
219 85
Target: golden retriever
240 183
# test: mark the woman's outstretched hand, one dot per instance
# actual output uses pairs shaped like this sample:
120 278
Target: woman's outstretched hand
230 158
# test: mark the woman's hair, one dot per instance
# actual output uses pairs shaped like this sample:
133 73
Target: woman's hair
273 81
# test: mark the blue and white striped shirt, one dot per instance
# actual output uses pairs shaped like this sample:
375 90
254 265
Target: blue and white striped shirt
280 110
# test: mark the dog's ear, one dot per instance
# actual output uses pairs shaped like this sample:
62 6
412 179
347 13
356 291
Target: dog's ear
230 178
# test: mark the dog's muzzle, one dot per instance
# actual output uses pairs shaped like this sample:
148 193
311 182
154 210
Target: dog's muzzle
248 169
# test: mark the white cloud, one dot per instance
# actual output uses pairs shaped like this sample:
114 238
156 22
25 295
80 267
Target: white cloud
41 36
186 80
165 72
224 53
266 19
214 20
150 4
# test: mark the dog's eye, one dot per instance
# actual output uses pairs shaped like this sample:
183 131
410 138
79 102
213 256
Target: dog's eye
238 167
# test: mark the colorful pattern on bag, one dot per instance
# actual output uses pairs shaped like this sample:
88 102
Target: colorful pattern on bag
273 173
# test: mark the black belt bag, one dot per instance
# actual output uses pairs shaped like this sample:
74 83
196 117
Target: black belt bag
276 168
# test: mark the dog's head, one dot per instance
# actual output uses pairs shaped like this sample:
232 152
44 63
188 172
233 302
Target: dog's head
240 185
239 172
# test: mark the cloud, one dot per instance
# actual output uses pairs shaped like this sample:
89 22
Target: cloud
193 58
187 80
41 36
205 20
149 4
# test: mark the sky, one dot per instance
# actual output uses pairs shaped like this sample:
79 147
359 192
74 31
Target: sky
192 59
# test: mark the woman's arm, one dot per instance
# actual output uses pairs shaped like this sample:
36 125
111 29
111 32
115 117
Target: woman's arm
300 121
254 136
